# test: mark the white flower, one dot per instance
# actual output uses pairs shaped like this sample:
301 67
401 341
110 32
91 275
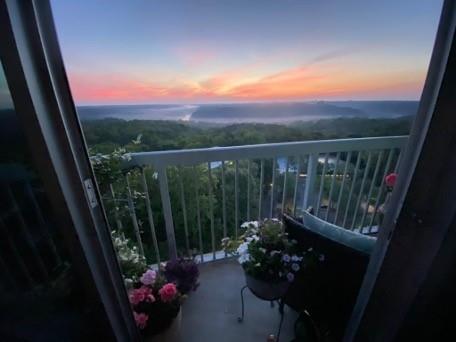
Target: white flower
243 248
274 252
244 258
248 224
257 264
126 157
262 250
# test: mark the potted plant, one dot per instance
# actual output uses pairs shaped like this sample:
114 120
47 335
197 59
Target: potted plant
184 273
155 295
270 260
155 301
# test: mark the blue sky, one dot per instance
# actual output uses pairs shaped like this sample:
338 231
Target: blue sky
196 51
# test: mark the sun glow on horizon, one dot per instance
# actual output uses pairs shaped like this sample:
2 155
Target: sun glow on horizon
170 52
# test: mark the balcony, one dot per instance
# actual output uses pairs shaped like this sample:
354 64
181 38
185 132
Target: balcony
184 202
211 312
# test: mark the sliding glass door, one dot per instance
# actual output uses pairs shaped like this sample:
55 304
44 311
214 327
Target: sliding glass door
44 290
59 276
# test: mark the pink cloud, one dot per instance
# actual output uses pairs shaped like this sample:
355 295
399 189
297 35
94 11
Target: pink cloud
299 83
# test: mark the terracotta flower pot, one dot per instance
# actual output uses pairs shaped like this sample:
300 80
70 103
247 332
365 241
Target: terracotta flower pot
267 290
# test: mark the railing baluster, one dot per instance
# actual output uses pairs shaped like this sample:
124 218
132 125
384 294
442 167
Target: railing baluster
310 181
271 208
322 184
134 219
7 274
198 212
26 233
382 186
236 198
295 192
184 210
361 190
28 237
352 187
18 258
284 190
248 190
150 215
211 208
116 214
371 188
260 197
331 189
42 222
341 190
398 161
223 200
167 211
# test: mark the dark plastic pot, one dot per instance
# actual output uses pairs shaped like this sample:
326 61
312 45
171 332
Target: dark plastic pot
266 290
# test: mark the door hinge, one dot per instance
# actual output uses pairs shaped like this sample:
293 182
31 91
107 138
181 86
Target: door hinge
90 192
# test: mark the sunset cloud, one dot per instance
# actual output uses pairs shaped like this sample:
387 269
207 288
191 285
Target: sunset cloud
328 81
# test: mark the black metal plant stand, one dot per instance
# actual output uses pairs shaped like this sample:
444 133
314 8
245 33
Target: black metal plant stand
280 301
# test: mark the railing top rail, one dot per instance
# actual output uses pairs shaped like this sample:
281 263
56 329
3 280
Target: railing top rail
261 151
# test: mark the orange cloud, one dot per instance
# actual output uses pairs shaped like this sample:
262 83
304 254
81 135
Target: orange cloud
299 83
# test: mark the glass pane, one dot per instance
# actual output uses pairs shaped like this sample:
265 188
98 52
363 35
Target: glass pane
43 291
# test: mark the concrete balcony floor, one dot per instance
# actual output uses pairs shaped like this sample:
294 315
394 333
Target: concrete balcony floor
210 314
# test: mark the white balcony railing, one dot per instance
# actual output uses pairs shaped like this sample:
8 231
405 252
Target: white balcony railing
341 179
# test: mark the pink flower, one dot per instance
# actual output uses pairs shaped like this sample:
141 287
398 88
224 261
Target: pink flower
148 277
390 180
168 292
140 319
142 294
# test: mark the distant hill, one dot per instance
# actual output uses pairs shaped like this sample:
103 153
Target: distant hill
304 110
382 108
268 112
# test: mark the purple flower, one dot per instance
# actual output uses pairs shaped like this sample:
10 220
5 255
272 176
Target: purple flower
148 277
290 277
286 258
295 267
295 258
184 273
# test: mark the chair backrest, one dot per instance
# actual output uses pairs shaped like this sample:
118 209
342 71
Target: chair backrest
348 238
328 290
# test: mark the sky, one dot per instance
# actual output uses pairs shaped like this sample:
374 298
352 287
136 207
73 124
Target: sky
213 51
